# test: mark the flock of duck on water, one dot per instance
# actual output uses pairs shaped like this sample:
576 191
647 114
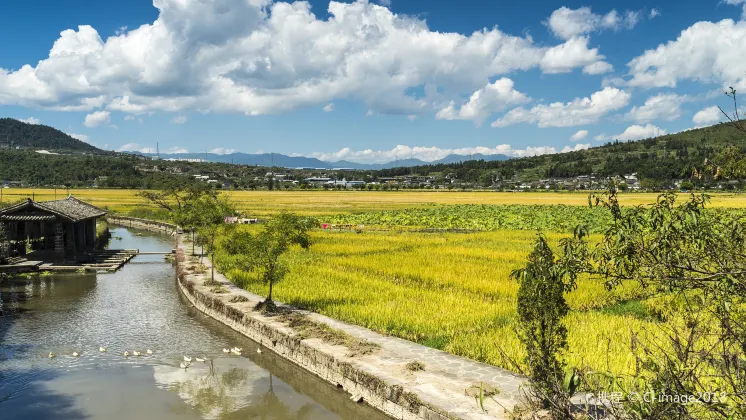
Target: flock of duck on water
184 365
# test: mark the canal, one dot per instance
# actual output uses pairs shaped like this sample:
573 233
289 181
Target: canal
139 308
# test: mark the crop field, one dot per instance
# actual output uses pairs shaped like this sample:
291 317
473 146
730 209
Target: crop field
329 203
449 291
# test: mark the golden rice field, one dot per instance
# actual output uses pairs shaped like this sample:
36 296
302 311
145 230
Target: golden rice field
446 290
449 291
319 203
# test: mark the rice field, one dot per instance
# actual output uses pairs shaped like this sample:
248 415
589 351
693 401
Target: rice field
449 291
328 203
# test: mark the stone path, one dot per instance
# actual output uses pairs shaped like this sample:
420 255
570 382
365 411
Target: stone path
443 382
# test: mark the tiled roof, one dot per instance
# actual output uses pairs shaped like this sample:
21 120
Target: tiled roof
28 217
69 208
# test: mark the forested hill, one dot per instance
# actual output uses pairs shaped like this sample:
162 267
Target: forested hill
36 136
666 157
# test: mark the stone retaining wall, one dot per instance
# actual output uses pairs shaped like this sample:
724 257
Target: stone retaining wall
152 225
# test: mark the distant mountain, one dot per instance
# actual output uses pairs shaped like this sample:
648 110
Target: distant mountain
36 136
270 159
262 159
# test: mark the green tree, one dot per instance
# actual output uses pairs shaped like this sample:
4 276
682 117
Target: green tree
178 197
207 214
262 253
541 310
696 262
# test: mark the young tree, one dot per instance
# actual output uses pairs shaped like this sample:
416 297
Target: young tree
541 310
207 214
261 253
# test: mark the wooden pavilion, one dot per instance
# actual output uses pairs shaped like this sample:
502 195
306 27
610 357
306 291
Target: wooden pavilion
67 226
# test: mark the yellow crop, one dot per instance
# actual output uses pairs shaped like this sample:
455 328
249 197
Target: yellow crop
449 291
264 203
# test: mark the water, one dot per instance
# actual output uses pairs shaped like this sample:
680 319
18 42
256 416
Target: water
136 309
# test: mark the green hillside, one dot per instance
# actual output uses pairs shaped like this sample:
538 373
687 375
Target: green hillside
36 136
666 157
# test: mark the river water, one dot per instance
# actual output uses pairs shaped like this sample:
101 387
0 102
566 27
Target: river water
136 309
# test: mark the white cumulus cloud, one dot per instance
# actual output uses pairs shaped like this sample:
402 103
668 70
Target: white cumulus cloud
707 116
579 146
710 52
97 118
271 57
634 132
580 135
493 97
222 151
328 107
177 149
577 112
566 23
31 120
663 106
572 54
599 67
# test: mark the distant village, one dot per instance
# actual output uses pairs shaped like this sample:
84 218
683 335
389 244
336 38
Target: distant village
346 178
250 177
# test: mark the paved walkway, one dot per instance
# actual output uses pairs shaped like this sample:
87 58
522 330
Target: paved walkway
443 382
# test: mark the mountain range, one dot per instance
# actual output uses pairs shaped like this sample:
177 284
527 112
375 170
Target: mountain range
15 133
275 159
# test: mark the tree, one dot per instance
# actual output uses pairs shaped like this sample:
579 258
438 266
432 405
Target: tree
207 214
262 252
696 261
177 197
541 310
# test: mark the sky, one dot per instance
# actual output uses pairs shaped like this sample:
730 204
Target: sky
369 81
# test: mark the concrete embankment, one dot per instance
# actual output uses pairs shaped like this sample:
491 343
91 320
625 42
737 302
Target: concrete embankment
442 387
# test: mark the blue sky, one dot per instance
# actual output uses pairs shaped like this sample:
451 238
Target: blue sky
368 81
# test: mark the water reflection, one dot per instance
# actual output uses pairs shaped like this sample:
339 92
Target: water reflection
139 308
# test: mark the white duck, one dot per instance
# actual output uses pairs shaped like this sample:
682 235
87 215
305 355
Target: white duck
76 354
226 351
237 348
258 350
148 351
199 359
126 354
136 353
102 349
236 352
187 359
184 365
51 355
